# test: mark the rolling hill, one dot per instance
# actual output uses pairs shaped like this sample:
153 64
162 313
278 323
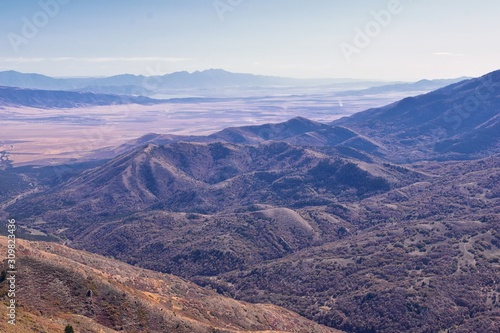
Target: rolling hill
59 286
421 258
210 177
206 194
297 131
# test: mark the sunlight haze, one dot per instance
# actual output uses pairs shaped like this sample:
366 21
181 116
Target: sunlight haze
303 39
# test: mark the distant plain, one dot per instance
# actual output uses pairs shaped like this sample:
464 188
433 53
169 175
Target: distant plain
48 136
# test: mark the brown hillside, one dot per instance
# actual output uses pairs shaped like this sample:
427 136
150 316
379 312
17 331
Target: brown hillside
58 285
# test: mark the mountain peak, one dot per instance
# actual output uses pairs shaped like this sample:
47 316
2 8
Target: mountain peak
302 120
215 70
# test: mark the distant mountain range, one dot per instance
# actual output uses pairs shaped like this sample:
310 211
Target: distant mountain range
201 81
179 80
39 91
460 121
48 99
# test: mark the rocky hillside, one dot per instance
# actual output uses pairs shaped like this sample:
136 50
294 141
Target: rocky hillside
208 178
59 286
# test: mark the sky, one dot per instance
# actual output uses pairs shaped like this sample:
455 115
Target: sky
404 40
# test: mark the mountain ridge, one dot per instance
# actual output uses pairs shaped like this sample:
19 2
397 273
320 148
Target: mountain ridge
210 79
182 79
464 114
48 99
97 294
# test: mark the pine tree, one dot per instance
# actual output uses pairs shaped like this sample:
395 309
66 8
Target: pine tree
69 329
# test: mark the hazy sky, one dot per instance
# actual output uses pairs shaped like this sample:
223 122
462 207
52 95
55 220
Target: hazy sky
375 39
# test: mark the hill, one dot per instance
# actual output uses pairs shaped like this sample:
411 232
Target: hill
297 131
210 177
391 261
458 121
58 285
219 201
422 258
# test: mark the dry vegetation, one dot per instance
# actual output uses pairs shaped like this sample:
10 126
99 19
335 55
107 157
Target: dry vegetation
421 255
58 285
367 226
418 258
